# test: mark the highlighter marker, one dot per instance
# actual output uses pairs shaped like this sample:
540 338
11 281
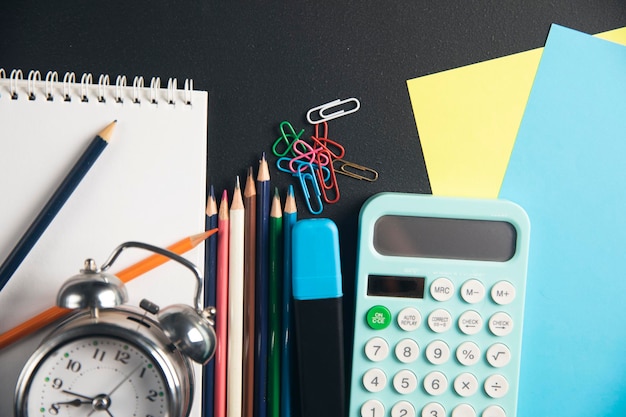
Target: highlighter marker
318 316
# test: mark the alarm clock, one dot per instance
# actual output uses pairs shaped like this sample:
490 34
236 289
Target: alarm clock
111 359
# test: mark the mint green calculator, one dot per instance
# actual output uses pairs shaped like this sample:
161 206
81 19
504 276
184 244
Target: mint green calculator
439 307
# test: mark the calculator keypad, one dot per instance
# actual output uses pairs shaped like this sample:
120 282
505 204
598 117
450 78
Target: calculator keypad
456 349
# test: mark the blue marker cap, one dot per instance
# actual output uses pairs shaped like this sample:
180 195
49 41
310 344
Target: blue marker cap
316 261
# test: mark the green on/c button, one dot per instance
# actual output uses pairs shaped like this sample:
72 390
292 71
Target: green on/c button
378 317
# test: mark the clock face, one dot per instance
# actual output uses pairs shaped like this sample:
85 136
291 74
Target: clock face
98 376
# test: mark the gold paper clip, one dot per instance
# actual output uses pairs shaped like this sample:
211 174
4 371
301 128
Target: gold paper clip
324 117
351 169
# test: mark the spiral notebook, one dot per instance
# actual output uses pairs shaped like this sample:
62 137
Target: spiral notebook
149 185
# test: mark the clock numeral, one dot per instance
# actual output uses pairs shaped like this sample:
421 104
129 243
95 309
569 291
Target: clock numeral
152 395
99 355
73 365
143 372
122 357
54 409
57 383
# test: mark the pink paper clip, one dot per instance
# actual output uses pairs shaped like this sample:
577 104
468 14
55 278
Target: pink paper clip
309 156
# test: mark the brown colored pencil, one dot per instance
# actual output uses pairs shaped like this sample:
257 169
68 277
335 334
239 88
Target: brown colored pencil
249 294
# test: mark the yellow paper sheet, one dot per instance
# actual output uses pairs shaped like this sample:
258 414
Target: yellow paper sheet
467 119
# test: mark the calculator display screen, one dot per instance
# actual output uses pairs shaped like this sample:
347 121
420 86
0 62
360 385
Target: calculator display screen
445 238
393 286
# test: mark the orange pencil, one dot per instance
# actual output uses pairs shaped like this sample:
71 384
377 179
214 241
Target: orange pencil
53 313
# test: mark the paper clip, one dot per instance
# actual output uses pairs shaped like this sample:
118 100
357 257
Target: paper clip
327 183
312 155
289 138
335 150
351 169
324 108
316 206
283 165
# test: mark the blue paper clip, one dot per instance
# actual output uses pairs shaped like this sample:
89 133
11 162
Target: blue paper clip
288 137
283 165
324 108
316 207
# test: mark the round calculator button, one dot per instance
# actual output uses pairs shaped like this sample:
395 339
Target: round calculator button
442 289
472 291
498 355
496 386
435 383
439 321
468 353
503 292
466 384
433 410
403 409
409 319
463 410
376 349
437 352
470 322
405 382
372 408
493 411
501 324
374 380
378 317
407 350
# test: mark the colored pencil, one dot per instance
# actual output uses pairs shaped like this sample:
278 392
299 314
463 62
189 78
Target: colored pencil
249 202
221 305
287 394
275 278
262 290
53 313
54 204
235 305
210 271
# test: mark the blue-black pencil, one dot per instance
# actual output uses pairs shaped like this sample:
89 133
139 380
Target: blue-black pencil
55 203
262 290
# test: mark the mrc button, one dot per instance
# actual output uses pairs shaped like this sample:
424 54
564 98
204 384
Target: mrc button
378 317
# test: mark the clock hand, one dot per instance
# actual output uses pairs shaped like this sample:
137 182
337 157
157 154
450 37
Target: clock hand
77 395
124 380
75 403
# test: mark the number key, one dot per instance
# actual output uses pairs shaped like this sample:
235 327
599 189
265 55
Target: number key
376 349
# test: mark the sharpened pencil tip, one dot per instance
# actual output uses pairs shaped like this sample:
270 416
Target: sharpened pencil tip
107 132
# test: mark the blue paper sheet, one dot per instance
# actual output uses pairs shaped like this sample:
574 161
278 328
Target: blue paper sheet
568 170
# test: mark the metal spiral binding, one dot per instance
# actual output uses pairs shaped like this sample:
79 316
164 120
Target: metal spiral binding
68 88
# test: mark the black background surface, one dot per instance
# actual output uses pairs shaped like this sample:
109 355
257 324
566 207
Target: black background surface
263 63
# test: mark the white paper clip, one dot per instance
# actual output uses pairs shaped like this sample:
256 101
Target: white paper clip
323 109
